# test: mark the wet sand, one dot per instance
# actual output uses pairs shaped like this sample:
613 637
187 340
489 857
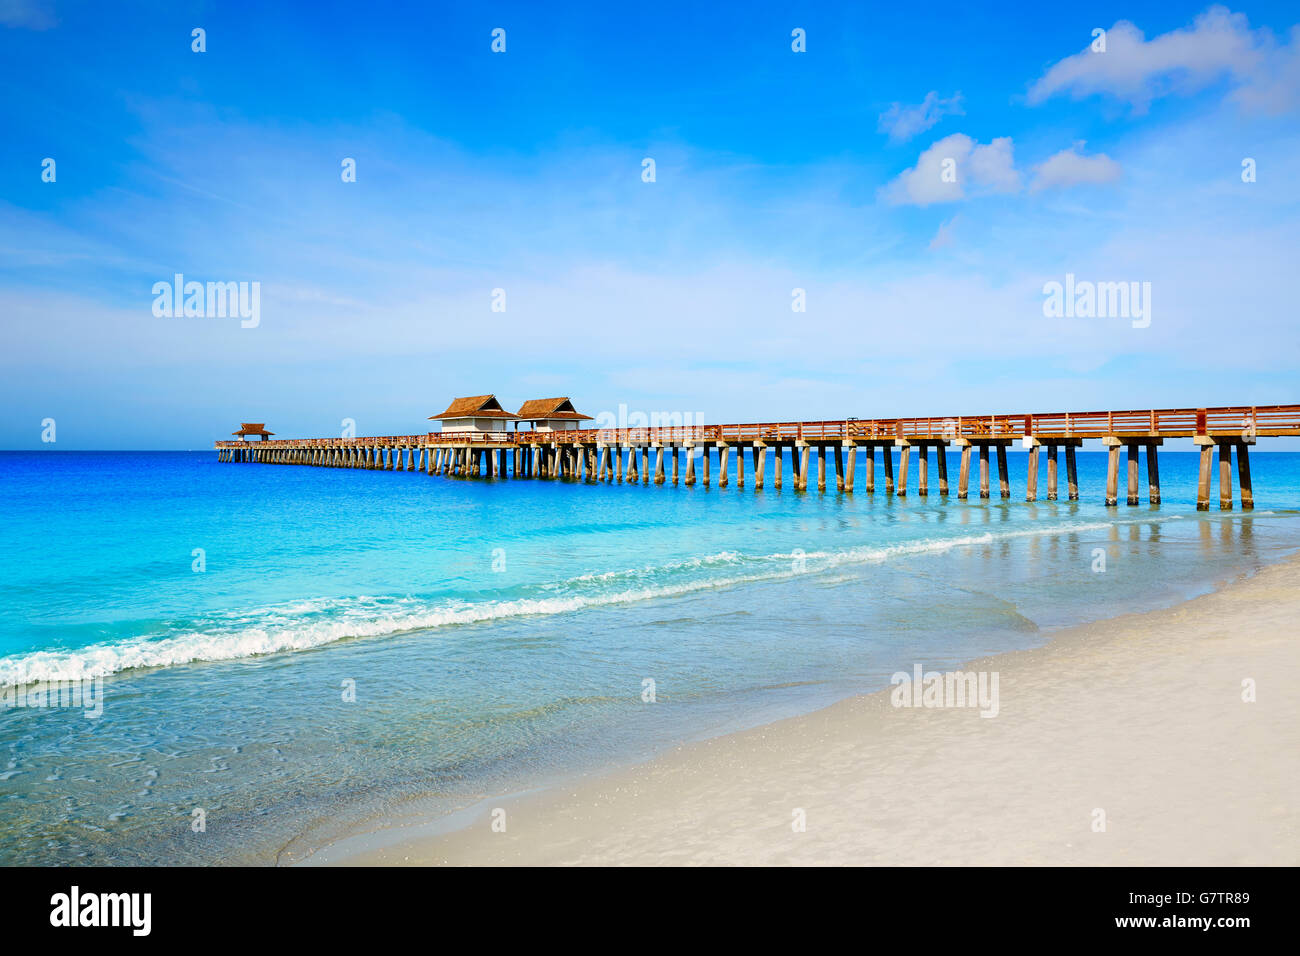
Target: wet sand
1140 718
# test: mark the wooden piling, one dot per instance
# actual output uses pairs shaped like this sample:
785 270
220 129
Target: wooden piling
776 465
852 464
821 467
1225 476
1071 473
1112 471
984 471
803 466
941 460
1203 480
740 466
724 455
690 464
1153 473
1031 476
1132 473
870 476
1004 480
1051 472
963 473
1243 476
760 464
923 471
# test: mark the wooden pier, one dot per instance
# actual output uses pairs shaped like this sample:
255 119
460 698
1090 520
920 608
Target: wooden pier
653 455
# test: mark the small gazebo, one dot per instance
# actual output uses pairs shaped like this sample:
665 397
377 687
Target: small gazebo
474 413
550 414
252 428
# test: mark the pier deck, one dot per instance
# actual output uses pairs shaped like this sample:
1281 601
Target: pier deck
597 454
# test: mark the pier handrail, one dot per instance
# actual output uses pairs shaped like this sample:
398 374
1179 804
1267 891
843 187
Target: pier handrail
1261 420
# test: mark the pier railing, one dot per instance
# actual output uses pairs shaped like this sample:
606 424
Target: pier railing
1261 421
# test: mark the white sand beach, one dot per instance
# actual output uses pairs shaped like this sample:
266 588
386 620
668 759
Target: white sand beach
1141 717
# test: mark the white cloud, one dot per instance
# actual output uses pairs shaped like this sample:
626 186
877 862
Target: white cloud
944 171
901 122
1220 44
1070 167
1275 88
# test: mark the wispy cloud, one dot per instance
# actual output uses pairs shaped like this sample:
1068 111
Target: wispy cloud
944 236
1070 167
902 122
1263 73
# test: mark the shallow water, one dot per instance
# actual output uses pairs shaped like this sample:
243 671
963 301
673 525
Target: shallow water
499 633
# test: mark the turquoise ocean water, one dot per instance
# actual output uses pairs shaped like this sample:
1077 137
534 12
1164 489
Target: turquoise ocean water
498 634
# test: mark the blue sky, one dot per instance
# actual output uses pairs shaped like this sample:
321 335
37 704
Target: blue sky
522 171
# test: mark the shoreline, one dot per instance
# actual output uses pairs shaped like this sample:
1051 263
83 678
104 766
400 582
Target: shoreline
1140 717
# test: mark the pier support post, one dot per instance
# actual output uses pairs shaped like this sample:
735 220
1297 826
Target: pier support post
984 471
1203 480
740 466
1051 472
923 471
760 464
1071 473
1004 483
1031 478
1112 471
1132 461
941 459
659 464
645 464
869 476
777 465
852 451
724 455
690 464
1153 473
707 450
803 448
887 457
676 460
1243 476
1225 476
963 472
839 467
821 467
904 459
